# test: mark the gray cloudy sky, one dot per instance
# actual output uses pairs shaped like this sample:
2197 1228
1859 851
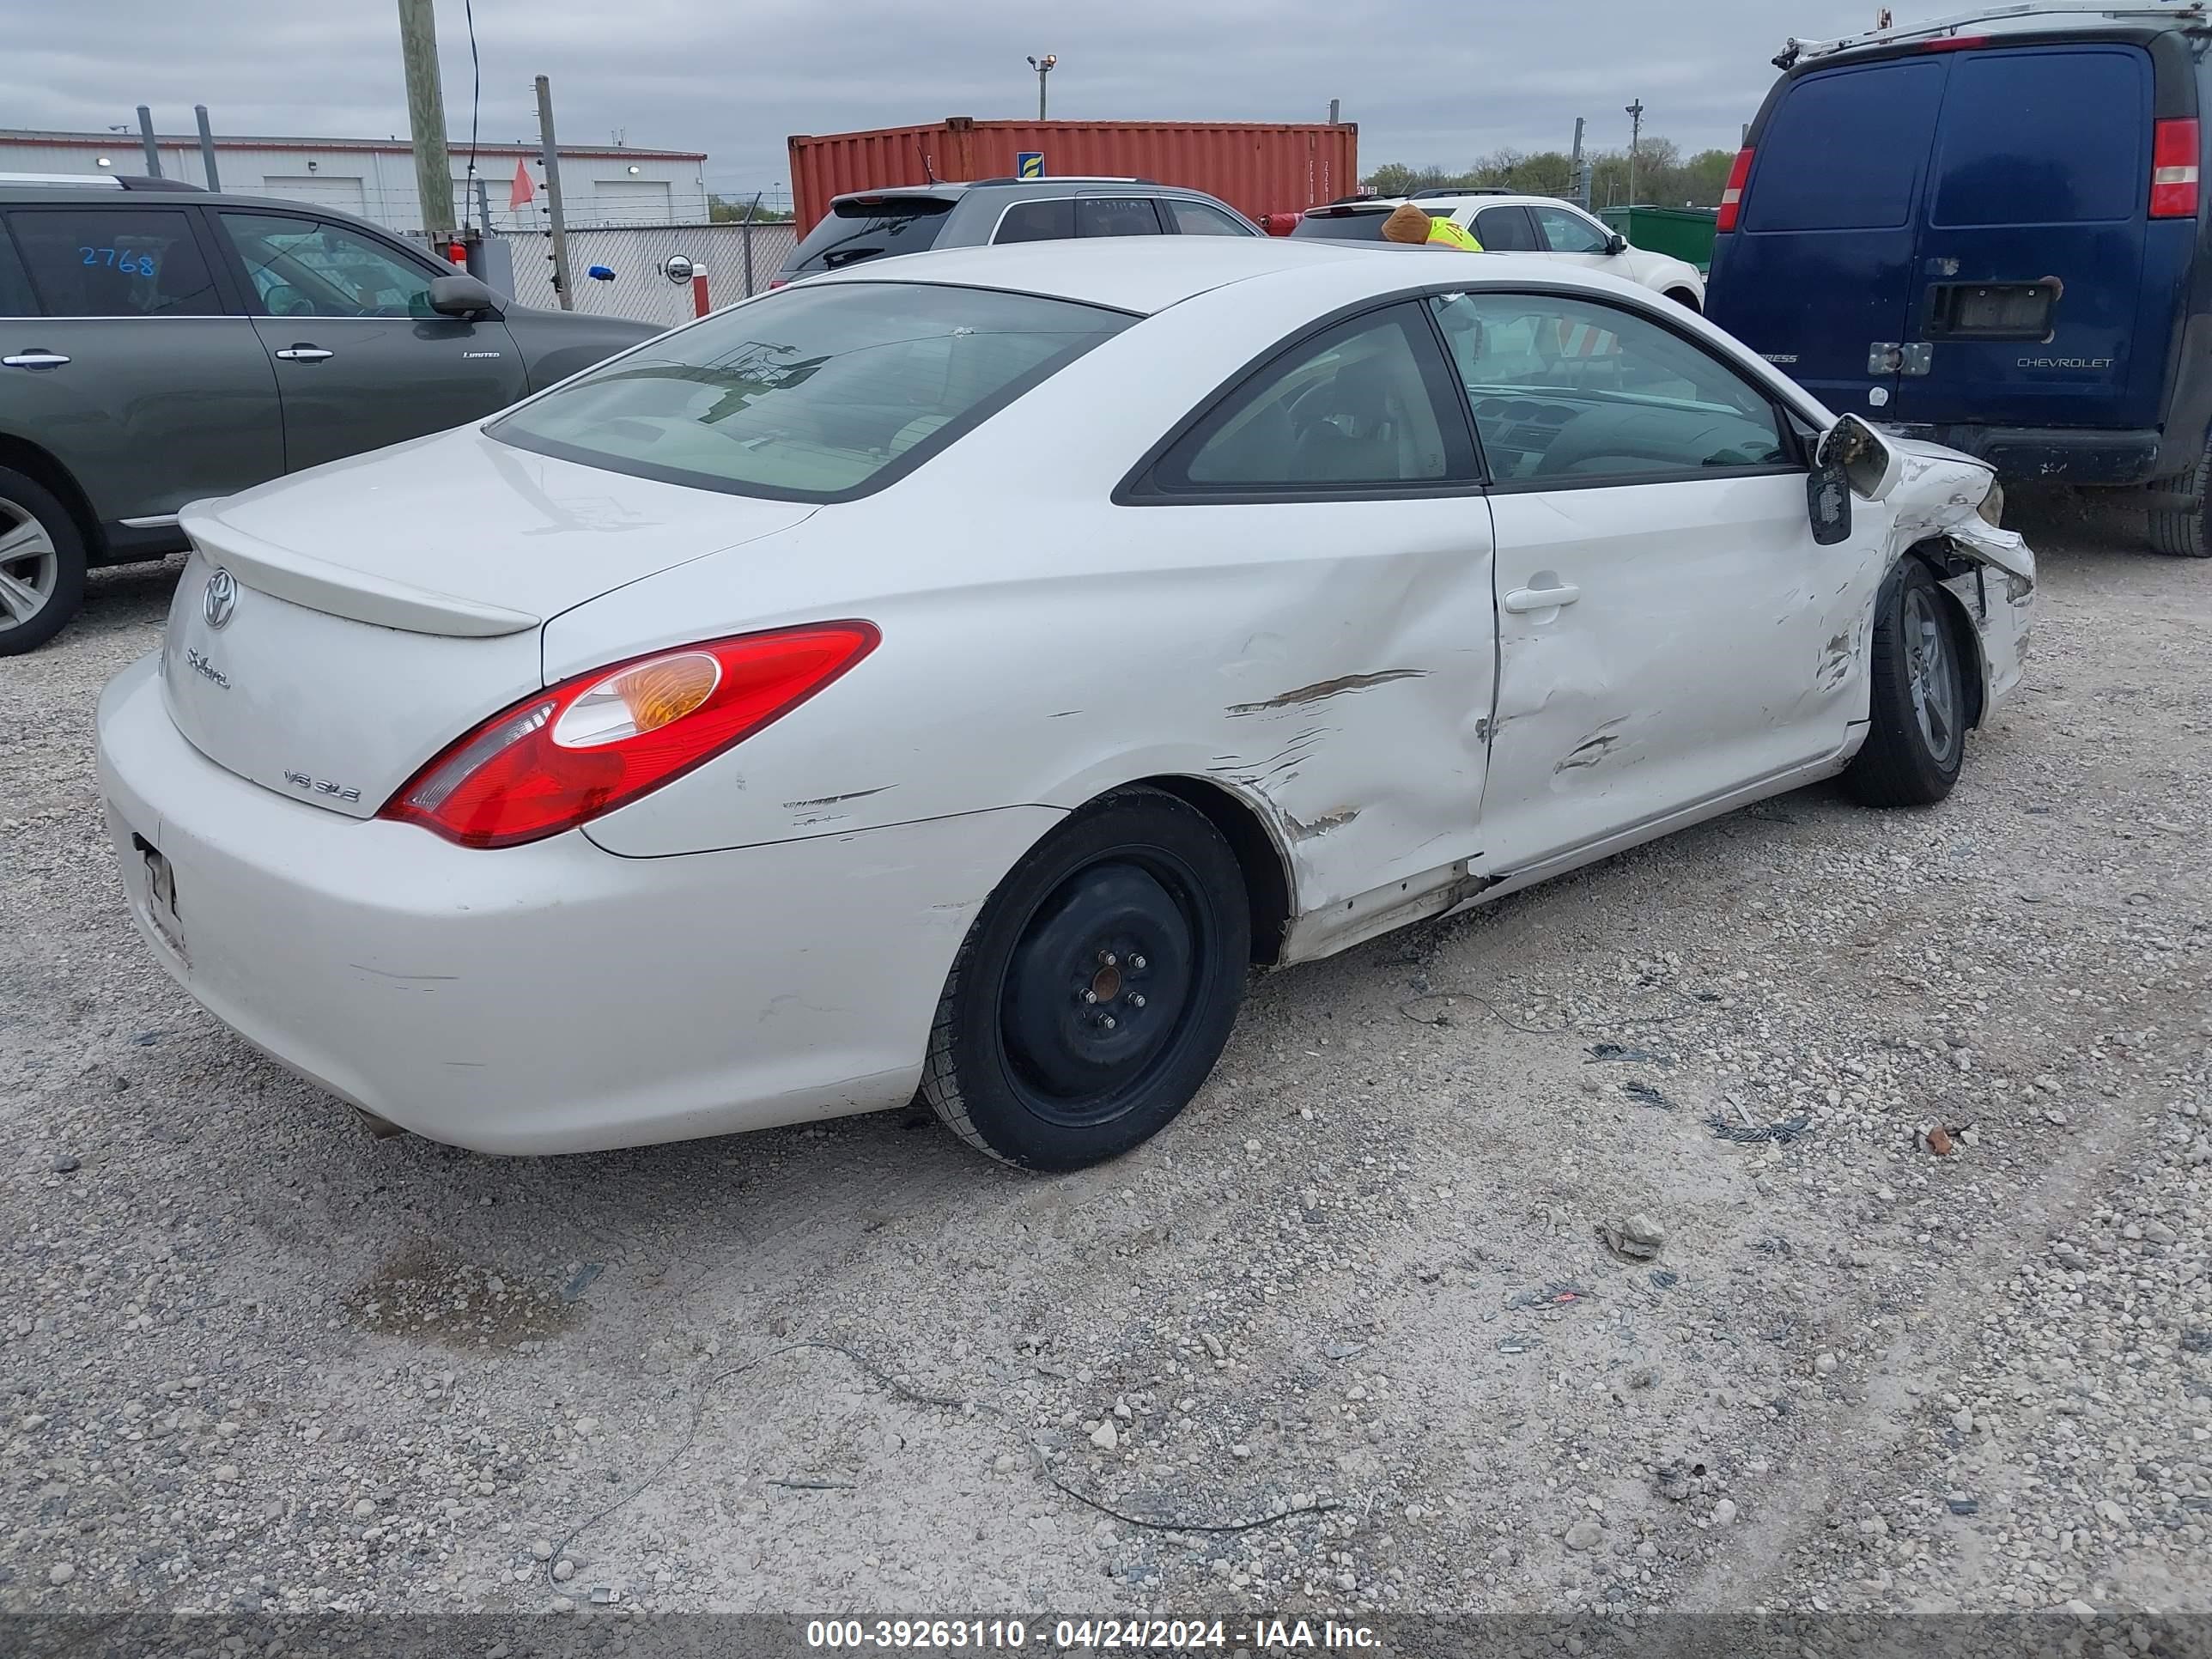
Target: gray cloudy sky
1426 80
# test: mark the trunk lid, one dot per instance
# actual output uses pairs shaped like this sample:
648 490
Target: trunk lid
332 632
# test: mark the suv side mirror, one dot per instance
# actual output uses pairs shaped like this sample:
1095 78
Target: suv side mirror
462 295
1616 243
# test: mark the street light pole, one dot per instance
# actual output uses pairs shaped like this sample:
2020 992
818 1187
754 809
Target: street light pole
1043 66
1634 114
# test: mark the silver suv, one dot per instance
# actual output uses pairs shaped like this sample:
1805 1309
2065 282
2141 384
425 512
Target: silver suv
872 224
158 345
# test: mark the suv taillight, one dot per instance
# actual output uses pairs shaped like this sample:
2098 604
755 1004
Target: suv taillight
1732 196
2174 169
597 741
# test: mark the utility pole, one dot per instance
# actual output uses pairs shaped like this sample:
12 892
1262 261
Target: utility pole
554 217
1576 182
146 135
1043 67
426 117
1634 114
207 147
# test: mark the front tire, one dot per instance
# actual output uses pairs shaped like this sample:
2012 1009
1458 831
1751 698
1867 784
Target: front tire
1917 740
1097 988
41 564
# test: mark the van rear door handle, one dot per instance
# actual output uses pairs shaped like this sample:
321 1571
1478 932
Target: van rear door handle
304 353
1523 599
34 358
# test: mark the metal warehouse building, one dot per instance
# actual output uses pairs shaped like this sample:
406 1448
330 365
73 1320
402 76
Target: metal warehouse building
375 177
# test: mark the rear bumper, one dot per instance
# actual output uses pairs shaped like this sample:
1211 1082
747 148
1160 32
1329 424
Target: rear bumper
554 997
2053 454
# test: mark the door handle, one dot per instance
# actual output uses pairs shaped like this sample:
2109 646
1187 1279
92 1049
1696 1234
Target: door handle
1521 599
304 353
34 358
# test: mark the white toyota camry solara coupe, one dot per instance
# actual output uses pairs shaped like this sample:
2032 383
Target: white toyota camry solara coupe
952 678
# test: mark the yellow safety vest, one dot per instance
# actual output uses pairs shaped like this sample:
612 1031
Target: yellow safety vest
1442 232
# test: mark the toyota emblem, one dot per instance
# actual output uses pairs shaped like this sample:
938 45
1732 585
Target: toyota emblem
221 597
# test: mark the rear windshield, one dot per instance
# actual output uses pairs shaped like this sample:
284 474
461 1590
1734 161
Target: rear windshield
1343 226
811 393
1844 150
2045 137
852 231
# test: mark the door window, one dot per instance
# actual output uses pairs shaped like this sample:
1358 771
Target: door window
16 299
1354 406
116 261
1050 220
1505 230
2043 138
1116 216
1566 231
1200 219
1568 392
1845 150
304 268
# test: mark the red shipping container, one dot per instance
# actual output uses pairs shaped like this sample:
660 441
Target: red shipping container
1257 168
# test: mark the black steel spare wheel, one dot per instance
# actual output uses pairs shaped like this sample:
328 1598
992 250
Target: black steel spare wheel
1095 991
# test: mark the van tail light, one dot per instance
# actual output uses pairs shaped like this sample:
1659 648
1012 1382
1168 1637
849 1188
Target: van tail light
582 748
2174 169
1955 43
1732 194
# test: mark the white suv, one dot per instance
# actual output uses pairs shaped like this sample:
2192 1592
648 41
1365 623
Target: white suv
1518 224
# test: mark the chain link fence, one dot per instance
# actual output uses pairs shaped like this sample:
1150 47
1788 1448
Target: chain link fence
737 260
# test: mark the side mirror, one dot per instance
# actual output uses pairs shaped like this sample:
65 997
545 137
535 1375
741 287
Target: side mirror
1617 243
462 295
1870 466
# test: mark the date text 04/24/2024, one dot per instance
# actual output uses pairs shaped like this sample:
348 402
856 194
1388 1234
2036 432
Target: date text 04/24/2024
1087 1635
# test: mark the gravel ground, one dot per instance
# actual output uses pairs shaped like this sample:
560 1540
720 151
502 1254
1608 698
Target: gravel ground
252 1358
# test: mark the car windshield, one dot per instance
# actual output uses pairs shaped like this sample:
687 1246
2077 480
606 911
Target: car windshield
867 229
1354 227
813 392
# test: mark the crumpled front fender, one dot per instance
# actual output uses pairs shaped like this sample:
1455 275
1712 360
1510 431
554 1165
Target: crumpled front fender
1937 498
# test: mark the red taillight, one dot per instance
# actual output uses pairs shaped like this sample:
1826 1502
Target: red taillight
601 740
1955 43
2174 169
778 282
1732 195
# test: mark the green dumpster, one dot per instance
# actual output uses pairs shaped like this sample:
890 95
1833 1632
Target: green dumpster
1686 232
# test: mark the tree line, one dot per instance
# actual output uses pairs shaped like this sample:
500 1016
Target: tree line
1664 176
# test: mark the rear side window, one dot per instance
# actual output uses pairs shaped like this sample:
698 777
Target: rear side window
1845 150
1342 226
1116 216
2044 138
1050 220
1505 230
1354 407
868 229
814 393
116 261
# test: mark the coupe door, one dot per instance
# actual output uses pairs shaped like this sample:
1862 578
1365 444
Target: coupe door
1337 543
1668 631
361 359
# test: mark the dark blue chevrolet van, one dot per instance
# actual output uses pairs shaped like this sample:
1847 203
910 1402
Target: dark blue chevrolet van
1991 233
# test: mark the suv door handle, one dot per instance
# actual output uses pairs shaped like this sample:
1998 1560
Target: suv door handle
34 358
1521 599
304 353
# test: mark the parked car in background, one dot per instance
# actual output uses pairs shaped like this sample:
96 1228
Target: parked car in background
163 345
1506 223
1993 232
952 674
873 224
